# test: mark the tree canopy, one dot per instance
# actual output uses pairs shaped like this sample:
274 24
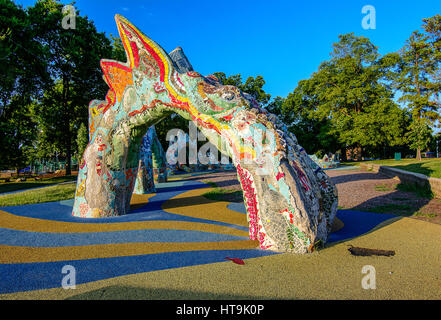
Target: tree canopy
346 103
357 99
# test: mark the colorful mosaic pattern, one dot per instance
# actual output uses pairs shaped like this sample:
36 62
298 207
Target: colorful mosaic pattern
150 149
277 175
327 162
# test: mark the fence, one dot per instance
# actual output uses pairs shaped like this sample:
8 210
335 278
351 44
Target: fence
50 166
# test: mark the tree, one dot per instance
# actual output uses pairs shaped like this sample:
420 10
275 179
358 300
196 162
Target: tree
252 86
415 78
118 51
23 78
419 135
295 111
432 27
74 56
349 94
82 140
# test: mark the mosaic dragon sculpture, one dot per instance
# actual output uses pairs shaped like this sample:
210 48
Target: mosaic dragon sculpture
291 203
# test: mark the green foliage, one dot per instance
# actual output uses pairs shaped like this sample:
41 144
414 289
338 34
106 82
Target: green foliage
23 77
346 102
252 86
118 51
383 187
398 209
312 133
432 27
422 192
73 57
82 139
224 195
424 214
430 167
49 76
419 134
417 77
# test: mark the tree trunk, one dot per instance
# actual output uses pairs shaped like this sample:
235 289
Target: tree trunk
68 160
418 155
66 125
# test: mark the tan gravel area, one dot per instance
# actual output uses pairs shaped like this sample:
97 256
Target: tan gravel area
362 190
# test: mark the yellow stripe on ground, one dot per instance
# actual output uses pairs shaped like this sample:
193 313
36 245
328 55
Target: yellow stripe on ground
11 221
15 254
139 200
193 204
331 273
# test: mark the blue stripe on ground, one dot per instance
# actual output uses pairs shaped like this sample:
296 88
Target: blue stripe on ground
60 212
152 211
33 276
40 239
357 223
238 207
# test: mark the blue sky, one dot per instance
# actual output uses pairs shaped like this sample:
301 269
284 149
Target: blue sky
284 41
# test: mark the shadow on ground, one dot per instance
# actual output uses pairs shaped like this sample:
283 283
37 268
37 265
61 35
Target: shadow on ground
135 293
379 226
199 176
184 202
397 202
358 177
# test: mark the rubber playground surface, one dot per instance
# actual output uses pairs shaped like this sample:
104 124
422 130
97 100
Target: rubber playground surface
174 245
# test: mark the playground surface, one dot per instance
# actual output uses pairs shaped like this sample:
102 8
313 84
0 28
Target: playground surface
174 245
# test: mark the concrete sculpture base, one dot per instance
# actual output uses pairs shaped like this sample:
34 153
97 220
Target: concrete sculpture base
290 201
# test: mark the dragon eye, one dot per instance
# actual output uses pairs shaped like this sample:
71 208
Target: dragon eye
228 95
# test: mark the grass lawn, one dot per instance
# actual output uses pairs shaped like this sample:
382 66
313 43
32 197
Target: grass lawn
401 210
348 164
430 167
28 184
218 194
47 194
